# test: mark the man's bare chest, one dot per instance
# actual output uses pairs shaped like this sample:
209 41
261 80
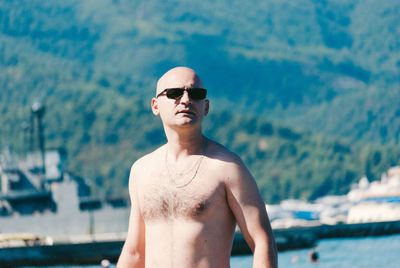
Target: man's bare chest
165 201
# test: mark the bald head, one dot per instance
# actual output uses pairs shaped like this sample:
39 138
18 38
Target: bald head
181 77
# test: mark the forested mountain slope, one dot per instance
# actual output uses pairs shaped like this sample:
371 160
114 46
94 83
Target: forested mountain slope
326 70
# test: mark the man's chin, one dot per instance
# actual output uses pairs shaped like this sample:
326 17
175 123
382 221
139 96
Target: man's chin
187 121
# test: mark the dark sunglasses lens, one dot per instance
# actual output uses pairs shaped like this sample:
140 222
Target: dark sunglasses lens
197 93
194 93
174 93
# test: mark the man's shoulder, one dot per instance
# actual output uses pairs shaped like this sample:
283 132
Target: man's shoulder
222 155
228 165
150 159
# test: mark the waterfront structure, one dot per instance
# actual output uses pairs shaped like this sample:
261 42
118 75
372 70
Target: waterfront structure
376 201
61 206
38 195
329 210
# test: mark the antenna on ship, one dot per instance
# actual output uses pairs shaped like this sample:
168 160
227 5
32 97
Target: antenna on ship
36 137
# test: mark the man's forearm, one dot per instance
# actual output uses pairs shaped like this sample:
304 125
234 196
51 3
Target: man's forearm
265 255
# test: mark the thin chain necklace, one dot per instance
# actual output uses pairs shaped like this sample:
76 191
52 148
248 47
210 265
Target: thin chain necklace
197 166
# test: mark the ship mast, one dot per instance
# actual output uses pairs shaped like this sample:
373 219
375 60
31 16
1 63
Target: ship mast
36 141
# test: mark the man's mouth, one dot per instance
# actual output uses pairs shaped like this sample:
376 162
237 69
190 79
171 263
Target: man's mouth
186 112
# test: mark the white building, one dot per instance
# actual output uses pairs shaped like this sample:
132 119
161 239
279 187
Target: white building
376 201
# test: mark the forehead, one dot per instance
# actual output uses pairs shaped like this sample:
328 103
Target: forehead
179 77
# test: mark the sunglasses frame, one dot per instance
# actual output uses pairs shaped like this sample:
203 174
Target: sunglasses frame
190 91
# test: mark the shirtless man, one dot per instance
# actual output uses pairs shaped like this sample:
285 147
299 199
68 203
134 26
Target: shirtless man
188 195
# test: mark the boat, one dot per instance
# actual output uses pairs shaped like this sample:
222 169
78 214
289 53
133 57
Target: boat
39 195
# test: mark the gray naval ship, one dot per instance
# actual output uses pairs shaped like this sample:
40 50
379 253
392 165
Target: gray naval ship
38 195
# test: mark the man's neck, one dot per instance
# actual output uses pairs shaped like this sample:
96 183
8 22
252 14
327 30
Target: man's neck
185 143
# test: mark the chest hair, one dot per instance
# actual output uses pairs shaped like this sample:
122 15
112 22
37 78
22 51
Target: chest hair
170 202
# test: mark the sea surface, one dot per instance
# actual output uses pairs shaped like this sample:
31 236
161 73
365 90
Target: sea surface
368 252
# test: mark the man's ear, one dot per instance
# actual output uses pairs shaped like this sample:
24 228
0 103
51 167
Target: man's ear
207 108
154 106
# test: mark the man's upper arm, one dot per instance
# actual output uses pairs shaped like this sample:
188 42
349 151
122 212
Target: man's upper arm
249 210
134 247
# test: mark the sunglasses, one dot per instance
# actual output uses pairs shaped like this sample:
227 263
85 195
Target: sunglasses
176 93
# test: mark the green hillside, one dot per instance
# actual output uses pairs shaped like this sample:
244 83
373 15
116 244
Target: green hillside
307 92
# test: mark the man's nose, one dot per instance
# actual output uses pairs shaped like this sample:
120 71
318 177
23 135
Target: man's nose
185 97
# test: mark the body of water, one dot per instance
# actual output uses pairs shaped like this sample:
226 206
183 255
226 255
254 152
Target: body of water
368 252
